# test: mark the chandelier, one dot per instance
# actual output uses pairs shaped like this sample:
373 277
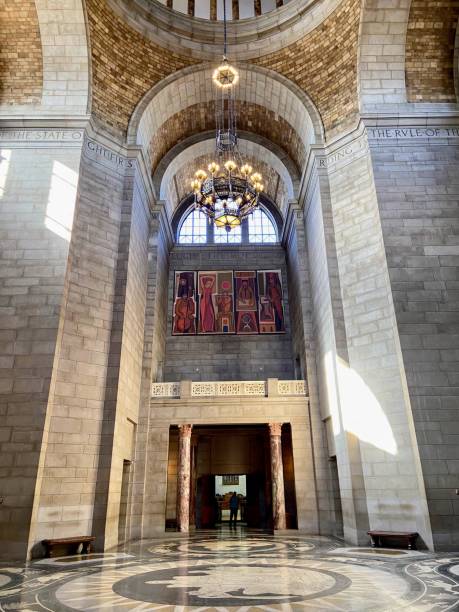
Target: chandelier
230 189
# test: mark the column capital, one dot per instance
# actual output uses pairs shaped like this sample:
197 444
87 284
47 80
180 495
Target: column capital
185 430
275 429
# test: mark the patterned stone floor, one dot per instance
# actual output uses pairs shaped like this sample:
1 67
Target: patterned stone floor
236 571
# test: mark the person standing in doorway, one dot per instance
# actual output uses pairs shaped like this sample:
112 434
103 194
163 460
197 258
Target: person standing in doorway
234 507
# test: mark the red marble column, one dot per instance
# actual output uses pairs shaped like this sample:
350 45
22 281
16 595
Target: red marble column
183 479
277 475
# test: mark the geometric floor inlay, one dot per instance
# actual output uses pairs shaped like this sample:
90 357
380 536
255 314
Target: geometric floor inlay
236 571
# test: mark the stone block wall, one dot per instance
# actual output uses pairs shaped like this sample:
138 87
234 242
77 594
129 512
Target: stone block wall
329 347
430 43
334 91
124 388
152 367
298 262
418 193
38 184
375 407
74 450
21 63
230 357
125 65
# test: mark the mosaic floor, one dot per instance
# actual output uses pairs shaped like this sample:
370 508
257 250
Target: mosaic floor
236 571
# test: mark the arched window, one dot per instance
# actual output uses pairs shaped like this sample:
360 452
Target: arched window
257 228
221 236
193 229
261 228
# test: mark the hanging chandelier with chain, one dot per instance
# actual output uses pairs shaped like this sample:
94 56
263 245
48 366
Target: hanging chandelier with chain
230 189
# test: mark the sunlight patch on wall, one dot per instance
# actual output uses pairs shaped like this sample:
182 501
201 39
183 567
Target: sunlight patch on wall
362 414
61 200
5 158
332 395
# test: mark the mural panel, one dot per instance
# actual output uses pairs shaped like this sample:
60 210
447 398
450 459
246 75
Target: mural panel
185 312
270 302
222 302
216 302
245 291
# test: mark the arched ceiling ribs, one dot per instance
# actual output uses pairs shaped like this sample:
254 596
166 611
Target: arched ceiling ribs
21 61
172 181
190 89
65 60
270 148
431 73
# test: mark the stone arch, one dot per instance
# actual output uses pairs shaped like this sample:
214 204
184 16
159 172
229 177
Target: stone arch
65 74
381 67
431 73
21 62
282 158
279 186
56 62
257 85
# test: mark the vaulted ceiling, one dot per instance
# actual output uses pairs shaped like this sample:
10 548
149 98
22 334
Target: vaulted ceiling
307 68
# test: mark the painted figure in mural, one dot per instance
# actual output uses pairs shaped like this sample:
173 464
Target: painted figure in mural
247 323
206 305
225 310
266 313
184 289
246 296
184 316
185 306
274 294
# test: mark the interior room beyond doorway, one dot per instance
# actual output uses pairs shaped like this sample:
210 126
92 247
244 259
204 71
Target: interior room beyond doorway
231 458
227 485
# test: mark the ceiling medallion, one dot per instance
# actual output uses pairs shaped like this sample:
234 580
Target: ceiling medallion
230 190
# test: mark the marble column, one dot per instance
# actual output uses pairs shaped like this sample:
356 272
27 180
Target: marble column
183 479
277 475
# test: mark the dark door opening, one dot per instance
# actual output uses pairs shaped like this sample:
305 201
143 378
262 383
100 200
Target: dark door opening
239 455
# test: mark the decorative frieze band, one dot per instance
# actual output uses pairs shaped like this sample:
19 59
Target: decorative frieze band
233 388
341 156
42 137
114 159
403 133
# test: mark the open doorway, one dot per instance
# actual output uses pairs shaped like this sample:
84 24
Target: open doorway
231 495
226 459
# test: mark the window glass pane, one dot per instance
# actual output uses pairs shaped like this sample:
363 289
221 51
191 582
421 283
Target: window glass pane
221 236
194 229
261 228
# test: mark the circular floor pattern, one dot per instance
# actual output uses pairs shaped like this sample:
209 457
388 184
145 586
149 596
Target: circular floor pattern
224 583
244 573
4 580
231 547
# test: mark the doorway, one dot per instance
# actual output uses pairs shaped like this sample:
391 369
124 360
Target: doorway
230 458
125 498
231 491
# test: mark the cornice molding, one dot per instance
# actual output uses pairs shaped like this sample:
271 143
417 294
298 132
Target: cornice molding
203 39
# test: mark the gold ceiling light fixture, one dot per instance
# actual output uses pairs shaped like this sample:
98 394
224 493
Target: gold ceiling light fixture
229 190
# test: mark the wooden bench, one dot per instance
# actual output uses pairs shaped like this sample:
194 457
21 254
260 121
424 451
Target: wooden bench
407 537
62 547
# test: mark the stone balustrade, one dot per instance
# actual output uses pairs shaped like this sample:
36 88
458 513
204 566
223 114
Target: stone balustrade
233 388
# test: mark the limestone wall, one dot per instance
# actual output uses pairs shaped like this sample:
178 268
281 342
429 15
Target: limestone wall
222 411
38 183
418 194
80 428
229 357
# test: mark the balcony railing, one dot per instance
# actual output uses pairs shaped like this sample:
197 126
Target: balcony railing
234 388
